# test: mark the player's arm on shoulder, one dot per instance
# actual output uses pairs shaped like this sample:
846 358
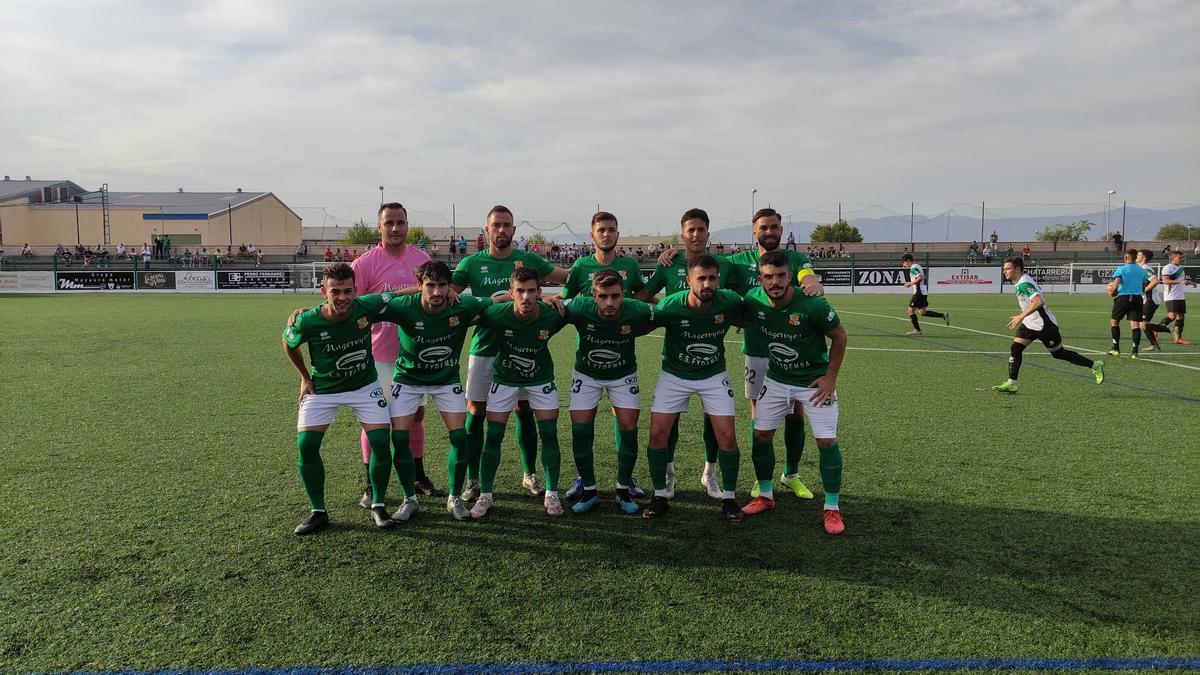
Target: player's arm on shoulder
556 302
809 281
556 275
667 257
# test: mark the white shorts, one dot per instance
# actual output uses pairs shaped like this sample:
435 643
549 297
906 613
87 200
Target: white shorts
407 398
502 398
756 371
370 406
671 394
778 401
623 392
479 378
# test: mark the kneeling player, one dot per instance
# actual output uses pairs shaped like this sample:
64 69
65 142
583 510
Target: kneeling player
800 370
522 329
605 361
1036 322
339 344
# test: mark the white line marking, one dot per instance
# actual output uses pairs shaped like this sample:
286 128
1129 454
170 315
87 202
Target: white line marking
984 332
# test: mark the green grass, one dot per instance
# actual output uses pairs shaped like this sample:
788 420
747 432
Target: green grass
148 491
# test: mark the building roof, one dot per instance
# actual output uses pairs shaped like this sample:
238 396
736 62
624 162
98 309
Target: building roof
211 204
12 189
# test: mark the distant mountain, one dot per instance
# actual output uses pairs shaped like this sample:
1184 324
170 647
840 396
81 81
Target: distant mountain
960 228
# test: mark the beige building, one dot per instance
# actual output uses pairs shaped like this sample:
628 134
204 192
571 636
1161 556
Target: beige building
46 213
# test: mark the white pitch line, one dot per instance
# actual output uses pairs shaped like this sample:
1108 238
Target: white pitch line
1009 336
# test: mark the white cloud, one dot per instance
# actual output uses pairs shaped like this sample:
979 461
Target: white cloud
646 108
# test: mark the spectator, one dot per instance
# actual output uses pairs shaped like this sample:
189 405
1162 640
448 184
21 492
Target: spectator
166 244
1118 241
462 247
156 244
523 243
994 239
479 243
1167 249
228 254
1009 252
26 252
202 257
122 252
3 257
187 257
434 250
146 255
841 250
242 250
328 255
808 251
791 242
973 251
258 257
337 255
1195 251
1026 254
353 255
253 252
989 252
102 258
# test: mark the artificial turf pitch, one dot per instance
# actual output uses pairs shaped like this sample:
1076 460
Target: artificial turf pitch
148 492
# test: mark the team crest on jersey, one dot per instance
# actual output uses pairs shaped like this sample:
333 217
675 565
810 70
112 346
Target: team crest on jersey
543 335
453 322
518 264
624 274
386 297
719 319
625 329
793 319
363 322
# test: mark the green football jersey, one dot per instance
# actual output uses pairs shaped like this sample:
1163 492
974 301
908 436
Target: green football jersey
794 335
674 278
694 348
745 278
579 280
605 348
431 344
487 277
523 349
339 352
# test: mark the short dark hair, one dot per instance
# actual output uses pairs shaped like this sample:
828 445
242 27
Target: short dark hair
1147 254
1015 261
776 258
766 213
524 274
433 270
690 214
499 208
337 272
391 205
606 278
1129 253
705 261
907 257
600 216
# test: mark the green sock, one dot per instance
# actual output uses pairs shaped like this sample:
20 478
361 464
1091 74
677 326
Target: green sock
583 437
672 441
627 452
406 468
710 441
380 468
762 453
793 443
474 444
551 457
831 473
657 459
312 469
527 438
456 463
729 460
490 461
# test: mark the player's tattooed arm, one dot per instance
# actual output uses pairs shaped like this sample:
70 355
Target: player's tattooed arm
826 385
297 359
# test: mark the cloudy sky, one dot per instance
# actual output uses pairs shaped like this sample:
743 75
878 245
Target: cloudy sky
644 108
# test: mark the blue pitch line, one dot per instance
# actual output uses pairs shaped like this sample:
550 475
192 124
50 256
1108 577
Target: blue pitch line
760 665
1065 373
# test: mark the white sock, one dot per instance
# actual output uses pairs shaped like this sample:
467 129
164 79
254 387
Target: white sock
710 468
728 494
660 493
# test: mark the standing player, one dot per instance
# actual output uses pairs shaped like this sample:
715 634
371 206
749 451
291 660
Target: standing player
800 371
693 363
388 267
1126 287
487 273
919 304
670 275
339 342
1174 280
768 232
605 235
605 361
431 336
1151 297
522 329
1036 322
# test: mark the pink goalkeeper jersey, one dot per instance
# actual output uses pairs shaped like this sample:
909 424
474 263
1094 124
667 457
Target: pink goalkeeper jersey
377 271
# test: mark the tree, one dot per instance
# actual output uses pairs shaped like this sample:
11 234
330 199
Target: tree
1177 232
1073 232
361 233
415 234
841 231
539 239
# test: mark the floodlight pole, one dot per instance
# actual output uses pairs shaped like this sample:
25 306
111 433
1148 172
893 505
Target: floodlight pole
230 205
